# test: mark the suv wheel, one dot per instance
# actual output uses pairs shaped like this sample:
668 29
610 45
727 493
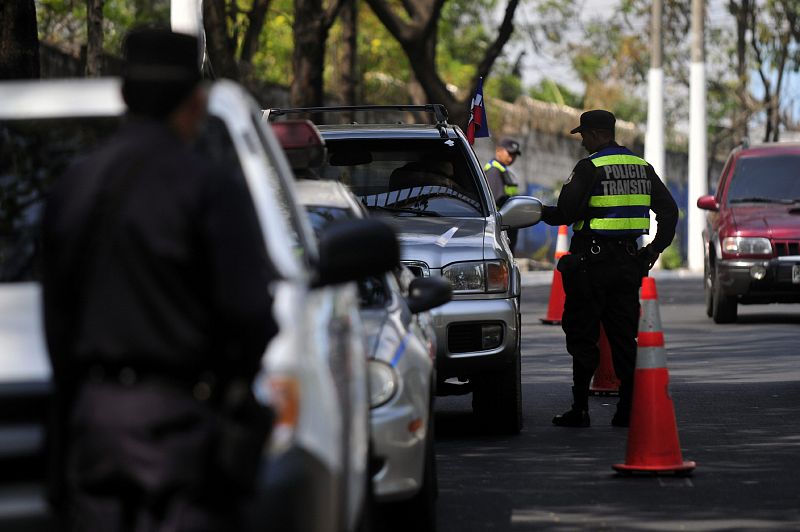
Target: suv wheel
723 307
497 398
708 289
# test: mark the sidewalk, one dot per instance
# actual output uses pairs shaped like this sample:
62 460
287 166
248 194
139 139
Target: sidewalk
542 278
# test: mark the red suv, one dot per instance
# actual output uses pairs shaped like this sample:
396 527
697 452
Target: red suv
752 234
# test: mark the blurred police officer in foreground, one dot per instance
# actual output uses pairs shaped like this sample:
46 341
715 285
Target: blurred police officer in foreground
501 180
608 199
156 304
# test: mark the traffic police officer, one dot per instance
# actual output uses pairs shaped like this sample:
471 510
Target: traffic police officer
157 307
502 181
608 199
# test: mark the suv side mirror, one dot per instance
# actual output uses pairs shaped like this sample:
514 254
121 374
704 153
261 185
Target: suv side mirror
520 211
425 293
707 203
352 249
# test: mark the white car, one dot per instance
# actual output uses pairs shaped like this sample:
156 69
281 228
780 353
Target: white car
314 370
402 349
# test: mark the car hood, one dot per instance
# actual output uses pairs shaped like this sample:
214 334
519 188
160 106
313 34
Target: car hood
440 241
775 221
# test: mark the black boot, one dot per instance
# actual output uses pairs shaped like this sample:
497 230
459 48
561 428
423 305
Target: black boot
622 417
578 415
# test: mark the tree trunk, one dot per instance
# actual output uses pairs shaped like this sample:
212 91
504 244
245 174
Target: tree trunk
348 77
19 40
308 61
741 115
312 24
94 38
218 44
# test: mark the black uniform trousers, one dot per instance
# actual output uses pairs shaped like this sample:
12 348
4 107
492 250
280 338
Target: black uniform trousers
601 285
140 459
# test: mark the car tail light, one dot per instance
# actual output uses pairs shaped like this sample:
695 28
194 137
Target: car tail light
301 141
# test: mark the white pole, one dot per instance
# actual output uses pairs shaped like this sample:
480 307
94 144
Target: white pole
698 181
654 136
186 16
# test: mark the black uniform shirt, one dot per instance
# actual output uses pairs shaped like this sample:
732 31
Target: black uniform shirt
176 278
573 202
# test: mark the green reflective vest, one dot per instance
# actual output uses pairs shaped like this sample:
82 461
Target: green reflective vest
620 202
510 188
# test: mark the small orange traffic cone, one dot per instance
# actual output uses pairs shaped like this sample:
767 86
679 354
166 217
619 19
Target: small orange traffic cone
604 381
555 309
653 444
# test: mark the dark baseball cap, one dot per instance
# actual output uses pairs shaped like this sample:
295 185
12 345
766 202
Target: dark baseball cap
510 145
161 55
596 119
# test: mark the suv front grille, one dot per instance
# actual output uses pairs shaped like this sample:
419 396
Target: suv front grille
787 248
464 337
474 336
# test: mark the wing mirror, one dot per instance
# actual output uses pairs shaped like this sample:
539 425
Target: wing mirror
520 211
707 203
353 249
425 293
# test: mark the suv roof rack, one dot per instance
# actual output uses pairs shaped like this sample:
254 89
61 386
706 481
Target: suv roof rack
437 109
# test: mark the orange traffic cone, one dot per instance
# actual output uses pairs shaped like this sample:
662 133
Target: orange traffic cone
653 435
604 381
555 308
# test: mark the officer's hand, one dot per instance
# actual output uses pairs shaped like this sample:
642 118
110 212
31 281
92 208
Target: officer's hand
648 256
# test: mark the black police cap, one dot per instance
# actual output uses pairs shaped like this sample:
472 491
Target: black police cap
160 55
510 145
596 119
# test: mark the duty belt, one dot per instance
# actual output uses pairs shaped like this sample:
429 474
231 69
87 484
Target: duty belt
596 245
202 387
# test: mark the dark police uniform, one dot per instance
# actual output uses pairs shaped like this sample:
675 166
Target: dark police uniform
502 181
156 299
607 199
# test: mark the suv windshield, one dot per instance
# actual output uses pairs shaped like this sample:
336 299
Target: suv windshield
406 177
774 179
33 153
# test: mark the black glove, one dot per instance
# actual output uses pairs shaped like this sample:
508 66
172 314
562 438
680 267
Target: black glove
648 256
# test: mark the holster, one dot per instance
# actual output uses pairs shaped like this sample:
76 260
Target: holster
244 426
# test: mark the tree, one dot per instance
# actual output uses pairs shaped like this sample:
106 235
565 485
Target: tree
232 37
416 29
312 24
775 52
19 41
94 38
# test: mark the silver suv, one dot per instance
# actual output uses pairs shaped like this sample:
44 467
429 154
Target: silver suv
427 182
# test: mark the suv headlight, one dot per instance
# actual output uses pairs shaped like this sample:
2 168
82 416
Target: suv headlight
382 382
740 245
477 277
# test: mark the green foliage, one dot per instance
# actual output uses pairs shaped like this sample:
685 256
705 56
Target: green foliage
503 83
272 62
548 90
63 22
671 258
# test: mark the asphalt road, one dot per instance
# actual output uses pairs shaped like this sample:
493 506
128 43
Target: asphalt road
736 393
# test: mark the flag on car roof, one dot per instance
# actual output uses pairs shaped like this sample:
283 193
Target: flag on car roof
478 125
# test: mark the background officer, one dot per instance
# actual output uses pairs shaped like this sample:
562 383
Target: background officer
608 199
502 181
156 301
